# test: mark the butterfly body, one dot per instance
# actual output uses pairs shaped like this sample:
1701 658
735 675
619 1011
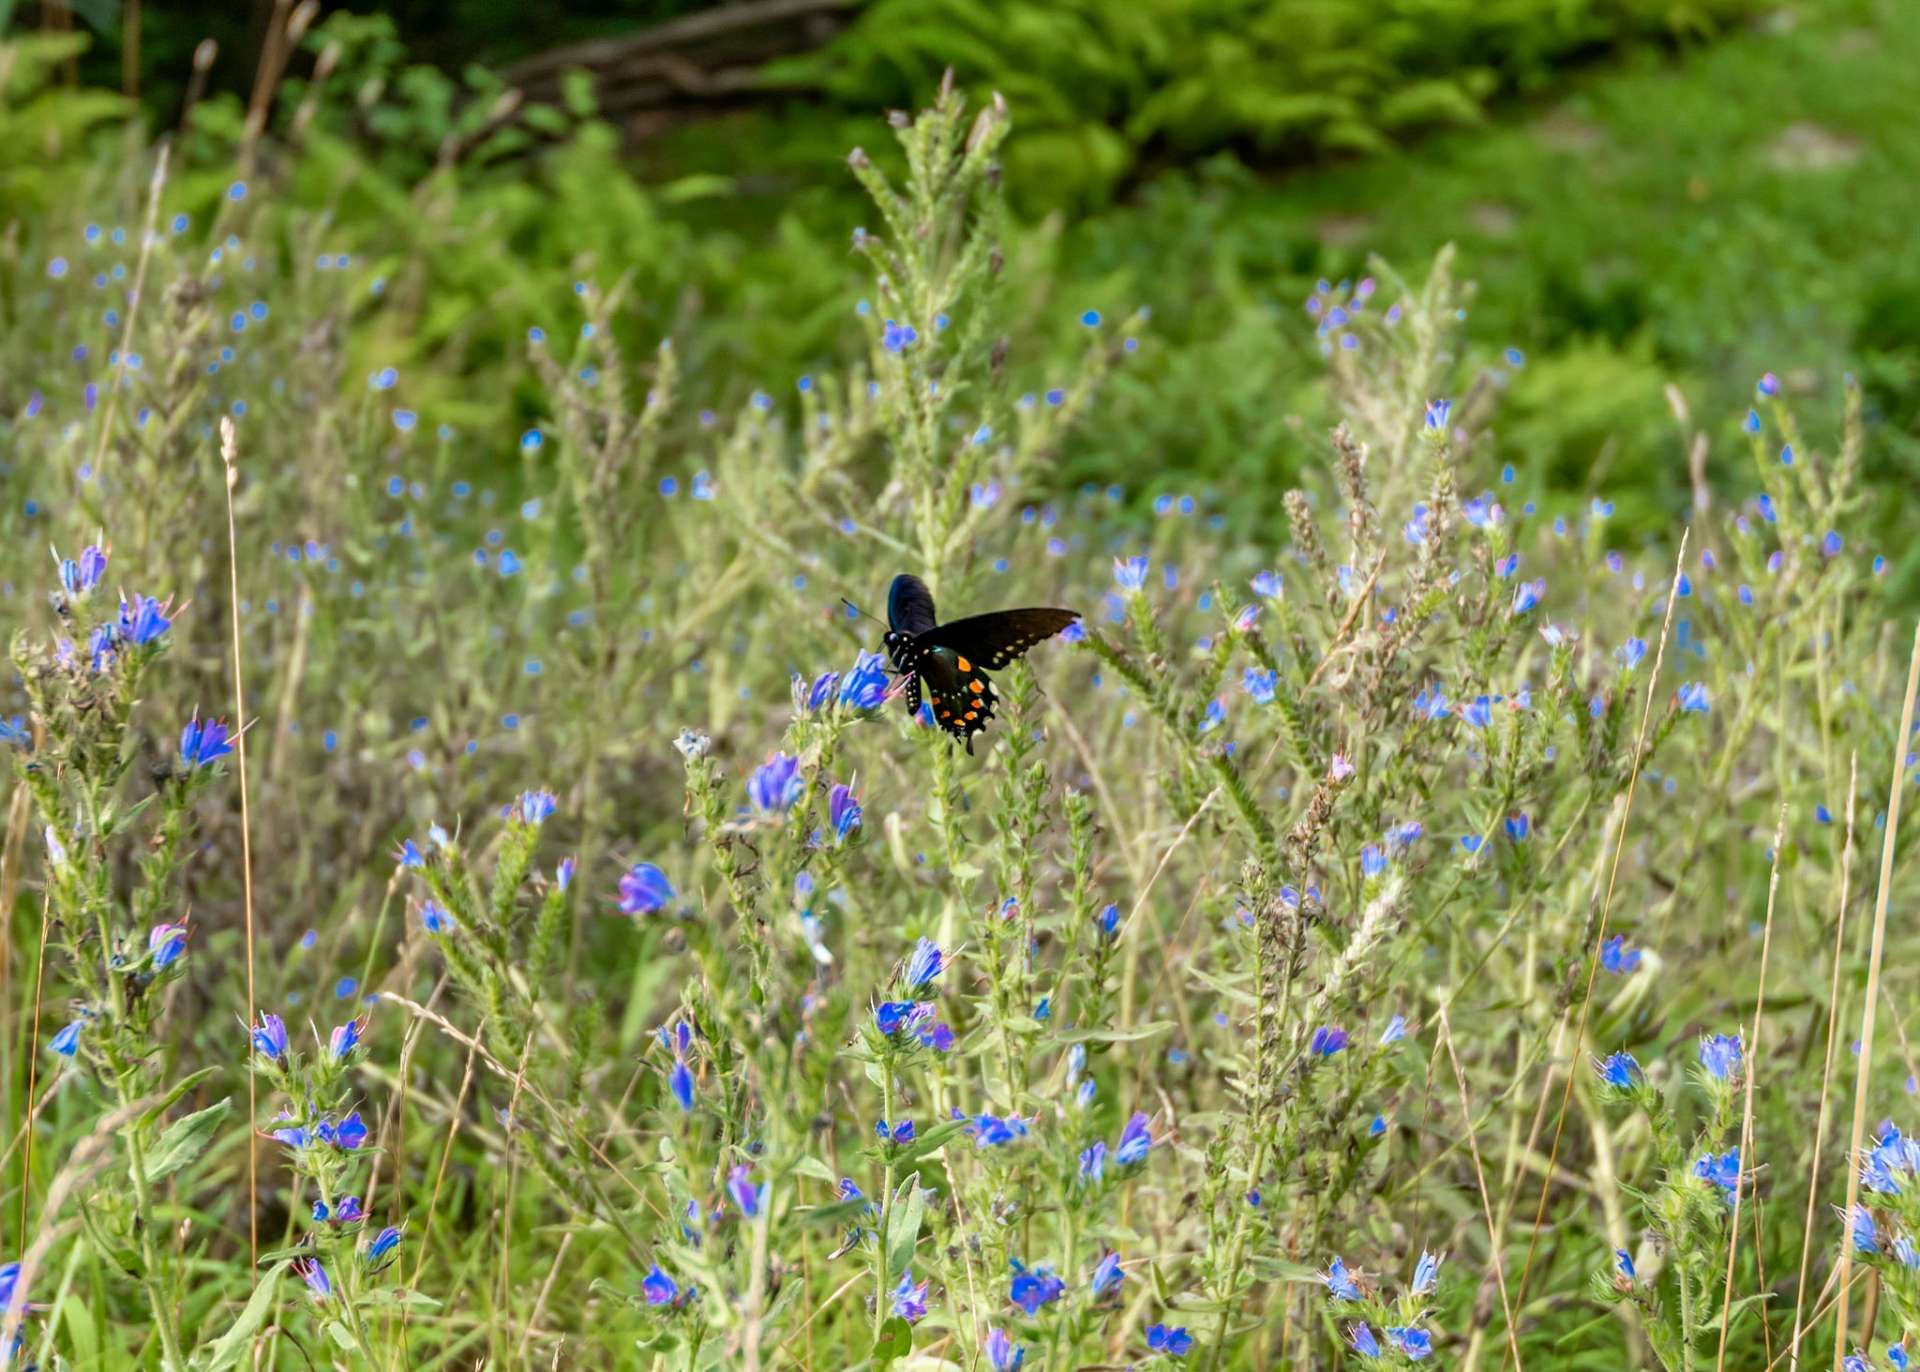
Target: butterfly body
951 662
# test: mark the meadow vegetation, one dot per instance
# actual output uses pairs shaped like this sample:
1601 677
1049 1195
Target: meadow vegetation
474 895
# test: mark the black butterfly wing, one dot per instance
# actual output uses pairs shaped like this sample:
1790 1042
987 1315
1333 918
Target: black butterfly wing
994 640
909 606
963 703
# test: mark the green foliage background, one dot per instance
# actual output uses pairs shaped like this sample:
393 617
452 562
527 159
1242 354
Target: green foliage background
1649 194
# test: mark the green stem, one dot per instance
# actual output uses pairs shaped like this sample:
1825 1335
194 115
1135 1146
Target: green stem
1686 1320
1235 1247
174 1358
885 1201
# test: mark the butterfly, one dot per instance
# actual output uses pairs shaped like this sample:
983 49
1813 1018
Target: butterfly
953 659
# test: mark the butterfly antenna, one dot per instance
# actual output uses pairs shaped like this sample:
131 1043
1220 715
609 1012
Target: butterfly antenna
857 610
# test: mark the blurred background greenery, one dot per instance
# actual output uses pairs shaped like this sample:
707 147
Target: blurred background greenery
1649 194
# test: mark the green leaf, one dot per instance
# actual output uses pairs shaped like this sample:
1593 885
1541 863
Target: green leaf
818 1170
82 1330
1138 1031
903 1226
230 1347
1580 1331
175 1092
932 1140
895 1340
184 1139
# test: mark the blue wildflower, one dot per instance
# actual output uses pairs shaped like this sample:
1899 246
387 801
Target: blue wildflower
1130 573
924 965
659 1288
1623 1265
1362 1339
865 686
843 812
345 1038
536 806
1414 531
1438 412
382 1244
1340 1283
1003 1354
1720 1055
1107 1276
1135 1141
1327 1040
167 943
1618 1069
991 1131
1722 1171
204 742
143 620
1175 1343
748 1197
1415 1344
1865 1235
349 1133
79 576
67 1042
1692 698
1478 712
1617 958
1032 1289
1426 1273
644 890
776 784
1259 684
897 338
314 1275
910 1301
1093 1162
269 1036
897 1133
680 1082
820 694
